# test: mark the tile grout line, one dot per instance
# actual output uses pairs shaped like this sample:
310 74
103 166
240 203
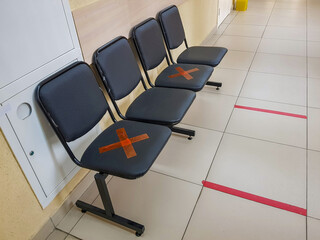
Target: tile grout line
196 203
223 133
307 111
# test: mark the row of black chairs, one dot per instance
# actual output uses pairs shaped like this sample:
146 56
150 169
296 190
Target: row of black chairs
73 103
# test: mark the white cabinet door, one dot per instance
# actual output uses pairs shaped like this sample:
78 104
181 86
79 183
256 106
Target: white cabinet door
47 157
224 9
34 34
38 37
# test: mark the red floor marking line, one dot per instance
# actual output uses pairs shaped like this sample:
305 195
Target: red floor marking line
256 198
271 111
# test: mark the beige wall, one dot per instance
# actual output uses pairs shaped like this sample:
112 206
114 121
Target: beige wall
21 215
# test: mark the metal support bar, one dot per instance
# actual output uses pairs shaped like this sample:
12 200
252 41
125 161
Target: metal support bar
108 211
215 84
184 131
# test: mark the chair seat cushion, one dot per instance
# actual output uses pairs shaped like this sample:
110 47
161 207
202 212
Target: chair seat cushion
184 76
211 56
166 106
115 161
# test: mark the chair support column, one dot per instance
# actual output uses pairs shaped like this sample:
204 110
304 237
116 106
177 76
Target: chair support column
108 211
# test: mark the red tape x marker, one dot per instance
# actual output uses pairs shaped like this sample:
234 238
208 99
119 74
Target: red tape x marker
125 143
255 198
184 73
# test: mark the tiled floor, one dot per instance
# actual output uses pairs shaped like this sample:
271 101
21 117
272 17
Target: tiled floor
270 149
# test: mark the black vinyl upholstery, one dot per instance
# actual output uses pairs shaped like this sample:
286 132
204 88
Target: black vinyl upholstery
119 67
148 38
210 56
200 77
174 36
74 100
171 21
165 106
115 162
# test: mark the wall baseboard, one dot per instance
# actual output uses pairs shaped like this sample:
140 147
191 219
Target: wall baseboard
210 37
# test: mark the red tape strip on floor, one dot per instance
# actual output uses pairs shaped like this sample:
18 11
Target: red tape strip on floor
255 198
271 111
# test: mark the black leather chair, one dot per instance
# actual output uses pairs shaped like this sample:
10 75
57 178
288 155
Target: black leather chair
73 103
174 35
148 39
120 75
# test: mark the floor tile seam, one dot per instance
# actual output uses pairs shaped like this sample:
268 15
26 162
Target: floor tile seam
281 74
174 177
268 141
85 213
307 123
269 101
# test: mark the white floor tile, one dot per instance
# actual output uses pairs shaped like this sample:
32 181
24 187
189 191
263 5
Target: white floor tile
222 216
221 28
244 30
161 203
57 235
267 126
313 229
314 129
262 5
279 64
237 60
287 12
313 93
276 88
251 20
256 11
290 33
314 49
73 216
313 67
286 21
273 171
70 237
211 41
238 43
229 18
188 160
210 111
232 81
313 184
301 5
313 33
70 220
284 47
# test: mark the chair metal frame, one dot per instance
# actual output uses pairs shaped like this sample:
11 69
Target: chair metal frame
108 211
209 83
190 133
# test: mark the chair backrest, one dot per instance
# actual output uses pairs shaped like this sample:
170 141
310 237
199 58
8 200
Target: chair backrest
117 67
149 43
72 101
172 26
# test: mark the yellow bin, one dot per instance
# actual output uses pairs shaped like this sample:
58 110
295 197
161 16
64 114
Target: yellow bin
241 5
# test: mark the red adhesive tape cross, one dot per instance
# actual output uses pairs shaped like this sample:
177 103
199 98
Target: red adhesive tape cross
271 111
125 143
255 198
184 73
